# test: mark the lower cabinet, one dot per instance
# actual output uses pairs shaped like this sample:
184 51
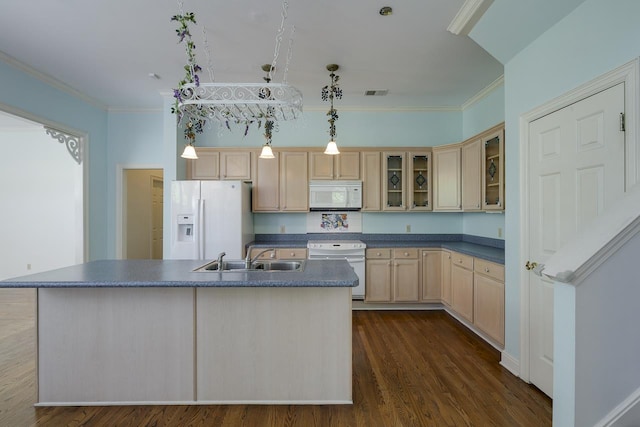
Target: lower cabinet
489 299
431 279
280 253
462 285
392 275
471 287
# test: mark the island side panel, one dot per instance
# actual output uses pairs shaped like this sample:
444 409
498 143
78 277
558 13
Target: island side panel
115 345
274 345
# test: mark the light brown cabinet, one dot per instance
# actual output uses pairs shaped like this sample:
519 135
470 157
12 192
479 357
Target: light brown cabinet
206 166
281 183
445 271
294 182
214 163
343 166
371 180
235 165
472 175
394 197
392 275
462 285
431 278
419 181
493 170
406 181
447 178
280 253
489 299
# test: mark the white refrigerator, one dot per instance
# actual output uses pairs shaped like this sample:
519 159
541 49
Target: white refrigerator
209 217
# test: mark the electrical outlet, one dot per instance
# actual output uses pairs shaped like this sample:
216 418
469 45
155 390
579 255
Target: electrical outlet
282 229
408 228
499 231
28 266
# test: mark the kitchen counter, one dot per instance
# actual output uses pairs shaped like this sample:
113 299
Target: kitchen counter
178 273
484 248
154 332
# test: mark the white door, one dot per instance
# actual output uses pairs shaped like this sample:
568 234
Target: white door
576 168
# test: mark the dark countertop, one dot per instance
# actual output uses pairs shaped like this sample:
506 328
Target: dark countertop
178 273
484 248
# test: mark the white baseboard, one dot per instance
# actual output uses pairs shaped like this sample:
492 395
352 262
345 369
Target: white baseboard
510 363
627 413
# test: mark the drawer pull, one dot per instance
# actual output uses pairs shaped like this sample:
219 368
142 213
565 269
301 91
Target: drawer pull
486 269
378 254
293 253
406 254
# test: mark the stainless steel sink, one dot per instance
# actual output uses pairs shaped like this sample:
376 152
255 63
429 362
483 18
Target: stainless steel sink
240 266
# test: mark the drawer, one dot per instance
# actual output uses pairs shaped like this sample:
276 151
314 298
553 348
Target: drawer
461 260
378 253
266 255
406 253
490 269
291 253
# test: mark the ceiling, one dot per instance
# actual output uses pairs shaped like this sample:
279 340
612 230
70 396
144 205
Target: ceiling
106 49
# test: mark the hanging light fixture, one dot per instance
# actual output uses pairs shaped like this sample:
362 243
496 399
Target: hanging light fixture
328 93
190 134
245 104
267 152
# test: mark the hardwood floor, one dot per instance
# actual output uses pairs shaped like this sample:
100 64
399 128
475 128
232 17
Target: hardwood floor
410 368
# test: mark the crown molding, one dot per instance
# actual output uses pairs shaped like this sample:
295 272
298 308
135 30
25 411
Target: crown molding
468 16
51 81
400 109
483 93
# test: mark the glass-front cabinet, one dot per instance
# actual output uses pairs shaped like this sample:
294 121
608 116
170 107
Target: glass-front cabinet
493 171
420 181
406 181
394 182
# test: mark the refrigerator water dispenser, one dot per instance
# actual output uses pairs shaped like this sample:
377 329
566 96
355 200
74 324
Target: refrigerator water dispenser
185 228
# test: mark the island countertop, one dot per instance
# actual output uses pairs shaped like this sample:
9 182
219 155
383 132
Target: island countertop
179 273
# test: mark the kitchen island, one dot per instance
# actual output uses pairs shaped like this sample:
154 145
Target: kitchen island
155 332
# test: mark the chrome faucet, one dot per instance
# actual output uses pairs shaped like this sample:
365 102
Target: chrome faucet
220 256
248 261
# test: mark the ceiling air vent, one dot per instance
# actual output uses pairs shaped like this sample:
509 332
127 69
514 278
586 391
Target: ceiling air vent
376 92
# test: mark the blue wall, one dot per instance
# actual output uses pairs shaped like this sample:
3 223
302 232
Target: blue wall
592 40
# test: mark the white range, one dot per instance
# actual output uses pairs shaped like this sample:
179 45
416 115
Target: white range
351 250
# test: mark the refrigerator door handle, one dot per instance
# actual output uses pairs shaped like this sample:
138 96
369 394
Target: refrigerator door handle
200 228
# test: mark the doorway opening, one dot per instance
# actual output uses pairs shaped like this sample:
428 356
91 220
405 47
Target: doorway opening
142 213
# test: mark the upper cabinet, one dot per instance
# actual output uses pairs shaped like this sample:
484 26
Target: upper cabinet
215 163
447 178
493 170
281 184
394 181
419 180
371 180
343 166
206 166
472 175
406 180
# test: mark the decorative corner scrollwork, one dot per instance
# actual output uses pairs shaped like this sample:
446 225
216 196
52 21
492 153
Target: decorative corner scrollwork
73 143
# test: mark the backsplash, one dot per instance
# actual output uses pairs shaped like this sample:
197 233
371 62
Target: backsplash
475 224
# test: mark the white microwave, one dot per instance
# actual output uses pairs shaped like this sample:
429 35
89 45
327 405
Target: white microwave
335 195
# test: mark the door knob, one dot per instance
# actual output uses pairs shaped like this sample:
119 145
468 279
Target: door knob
530 265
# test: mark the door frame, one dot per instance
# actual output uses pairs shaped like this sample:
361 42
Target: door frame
120 202
627 74
82 206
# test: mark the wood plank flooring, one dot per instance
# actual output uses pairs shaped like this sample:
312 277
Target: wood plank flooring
410 368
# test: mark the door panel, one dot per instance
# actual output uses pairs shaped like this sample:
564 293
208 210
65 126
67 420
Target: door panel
576 168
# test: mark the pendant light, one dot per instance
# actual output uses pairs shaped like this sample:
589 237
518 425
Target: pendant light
267 152
328 93
189 152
